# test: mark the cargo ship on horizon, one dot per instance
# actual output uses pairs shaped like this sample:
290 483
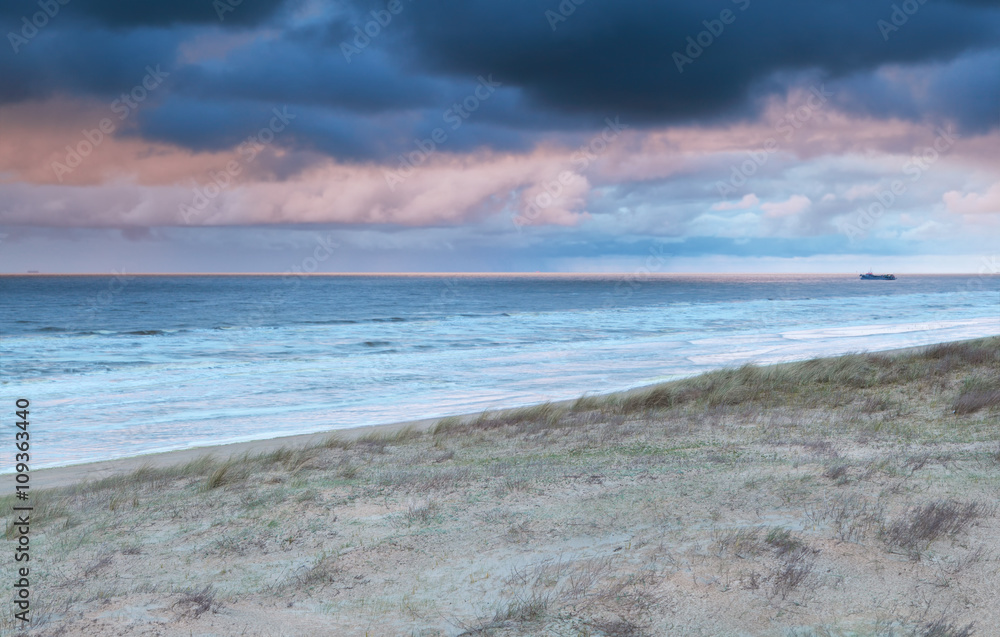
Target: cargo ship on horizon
868 276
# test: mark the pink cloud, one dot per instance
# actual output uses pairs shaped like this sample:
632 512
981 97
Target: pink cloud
128 181
33 148
748 201
972 202
796 204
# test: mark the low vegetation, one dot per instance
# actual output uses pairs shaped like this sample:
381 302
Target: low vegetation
844 496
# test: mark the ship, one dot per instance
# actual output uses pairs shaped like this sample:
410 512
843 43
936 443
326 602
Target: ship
868 276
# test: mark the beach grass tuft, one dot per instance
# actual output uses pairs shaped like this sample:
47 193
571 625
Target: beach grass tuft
921 525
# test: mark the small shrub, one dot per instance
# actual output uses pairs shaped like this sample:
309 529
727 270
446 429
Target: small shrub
618 628
324 571
994 455
977 352
750 580
782 541
511 484
944 628
229 472
973 400
420 512
853 518
519 532
795 567
874 404
335 441
522 611
347 469
837 473
194 603
744 542
447 425
444 457
921 525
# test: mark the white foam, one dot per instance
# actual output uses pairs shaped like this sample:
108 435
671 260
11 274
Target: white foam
111 396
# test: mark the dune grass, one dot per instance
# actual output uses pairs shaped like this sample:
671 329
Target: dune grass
820 382
765 499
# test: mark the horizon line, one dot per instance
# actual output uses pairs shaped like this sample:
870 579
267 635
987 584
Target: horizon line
471 273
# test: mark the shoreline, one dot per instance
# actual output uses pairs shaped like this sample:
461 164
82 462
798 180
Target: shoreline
67 475
766 499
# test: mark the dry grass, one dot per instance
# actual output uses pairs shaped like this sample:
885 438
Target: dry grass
837 472
527 419
825 382
921 525
794 559
324 572
746 501
742 542
618 628
944 628
420 512
977 393
230 472
852 518
813 382
47 509
196 602
794 568
511 615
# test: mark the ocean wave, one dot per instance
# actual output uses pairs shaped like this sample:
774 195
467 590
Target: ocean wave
331 322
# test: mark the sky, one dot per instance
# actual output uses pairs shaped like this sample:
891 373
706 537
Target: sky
522 136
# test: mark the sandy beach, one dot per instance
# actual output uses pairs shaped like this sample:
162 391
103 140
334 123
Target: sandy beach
846 496
73 474
93 471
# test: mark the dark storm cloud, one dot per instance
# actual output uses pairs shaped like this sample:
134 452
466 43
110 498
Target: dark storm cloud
966 90
304 73
559 74
620 57
86 62
206 125
118 14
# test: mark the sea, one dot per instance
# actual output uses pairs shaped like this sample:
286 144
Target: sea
123 365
